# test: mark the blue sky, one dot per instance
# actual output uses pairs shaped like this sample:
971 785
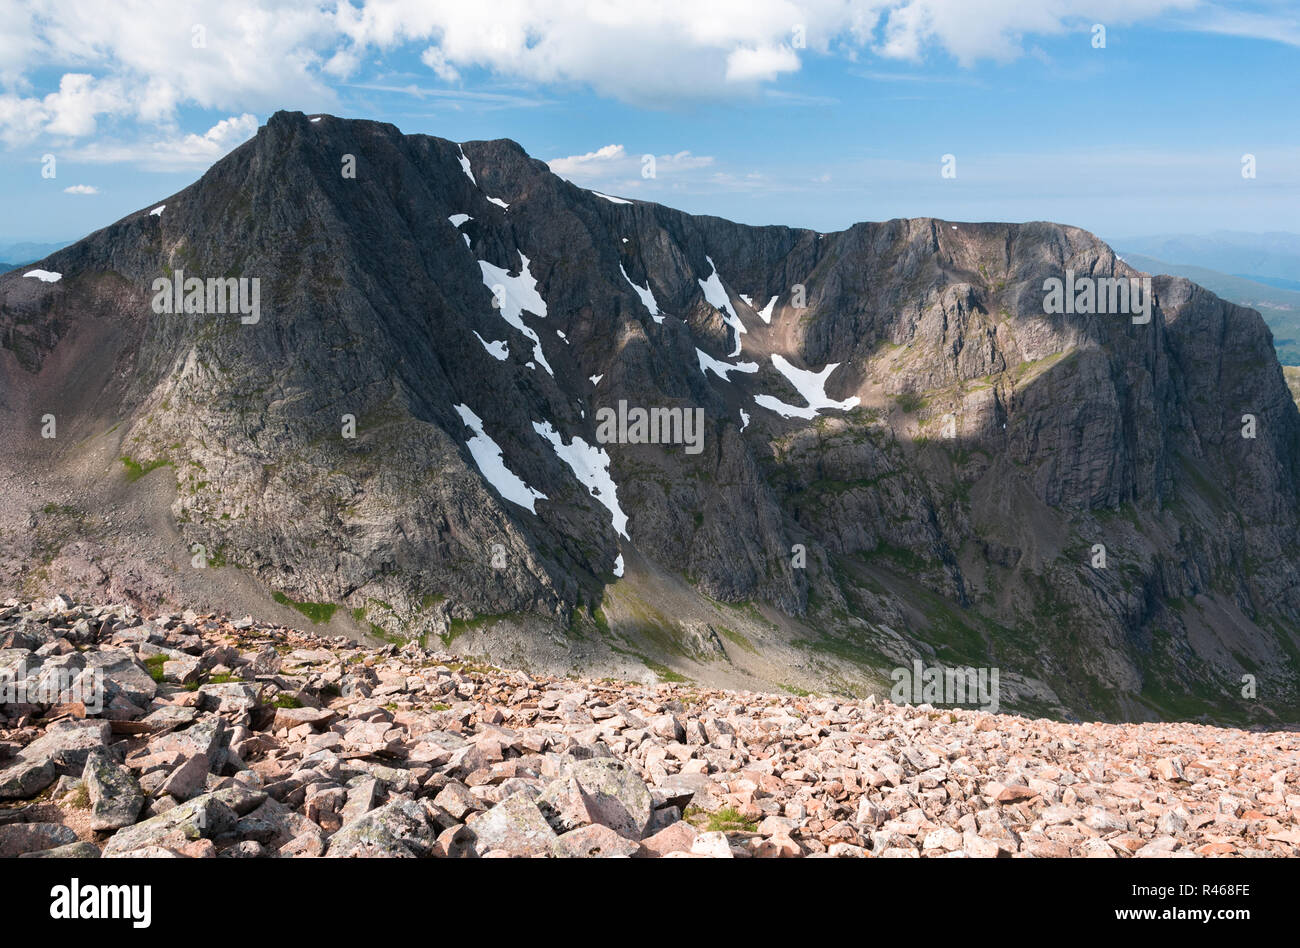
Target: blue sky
817 113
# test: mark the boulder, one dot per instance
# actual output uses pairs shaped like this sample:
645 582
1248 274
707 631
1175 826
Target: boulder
18 839
115 794
201 818
400 829
515 826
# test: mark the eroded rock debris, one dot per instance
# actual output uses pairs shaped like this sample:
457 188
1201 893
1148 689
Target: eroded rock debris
237 739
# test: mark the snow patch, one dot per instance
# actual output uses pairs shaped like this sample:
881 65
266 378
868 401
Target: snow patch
811 385
744 419
595 379
618 562
591 466
520 294
45 276
499 203
612 200
720 369
715 294
647 298
765 313
498 350
464 165
457 220
157 211
487 457
784 409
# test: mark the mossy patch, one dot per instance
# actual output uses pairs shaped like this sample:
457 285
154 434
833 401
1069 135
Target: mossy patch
154 666
136 470
317 612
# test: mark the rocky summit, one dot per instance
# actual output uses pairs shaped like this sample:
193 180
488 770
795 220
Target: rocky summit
401 388
199 736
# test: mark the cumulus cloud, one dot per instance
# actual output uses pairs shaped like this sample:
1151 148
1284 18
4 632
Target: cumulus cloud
436 60
175 151
81 189
765 64
146 60
971 30
612 167
590 163
671 50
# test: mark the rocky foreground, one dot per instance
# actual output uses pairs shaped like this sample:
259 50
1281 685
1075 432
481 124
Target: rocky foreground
221 738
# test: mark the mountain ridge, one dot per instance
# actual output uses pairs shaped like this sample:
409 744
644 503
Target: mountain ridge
924 525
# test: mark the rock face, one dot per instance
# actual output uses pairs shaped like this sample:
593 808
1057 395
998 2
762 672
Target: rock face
902 457
427 757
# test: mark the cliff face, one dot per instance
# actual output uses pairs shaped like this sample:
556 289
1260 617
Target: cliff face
409 431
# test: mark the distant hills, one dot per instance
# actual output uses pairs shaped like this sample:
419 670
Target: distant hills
1261 271
1261 257
17 255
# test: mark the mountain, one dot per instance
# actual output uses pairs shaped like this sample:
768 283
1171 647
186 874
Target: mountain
1279 306
903 458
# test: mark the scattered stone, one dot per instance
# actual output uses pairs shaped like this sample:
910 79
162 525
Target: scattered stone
70 851
18 839
515 825
595 840
202 817
265 741
398 829
115 795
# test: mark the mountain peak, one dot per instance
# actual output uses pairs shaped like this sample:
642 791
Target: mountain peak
482 404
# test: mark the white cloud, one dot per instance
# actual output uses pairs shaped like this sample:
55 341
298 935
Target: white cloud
174 152
70 112
971 30
139 62
433 58
764 64
81 189
578 165
612 167
670 50
649 54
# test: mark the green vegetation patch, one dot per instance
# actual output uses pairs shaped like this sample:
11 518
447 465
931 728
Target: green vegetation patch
317 612
154 665
135 470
